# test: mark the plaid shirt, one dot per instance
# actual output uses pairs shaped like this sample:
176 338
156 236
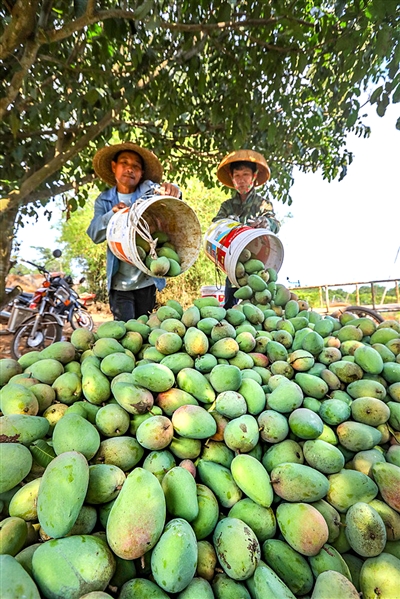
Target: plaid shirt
255 207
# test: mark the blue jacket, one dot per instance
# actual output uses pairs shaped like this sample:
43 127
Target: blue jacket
97 229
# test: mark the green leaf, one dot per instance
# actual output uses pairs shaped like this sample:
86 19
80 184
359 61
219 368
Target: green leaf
381 109
375 94
398 124
42 453
143 9
352 118
396 95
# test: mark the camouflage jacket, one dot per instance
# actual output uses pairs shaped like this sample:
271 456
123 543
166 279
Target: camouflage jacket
255 211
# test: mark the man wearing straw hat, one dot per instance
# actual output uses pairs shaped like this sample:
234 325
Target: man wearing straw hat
244 170
133 173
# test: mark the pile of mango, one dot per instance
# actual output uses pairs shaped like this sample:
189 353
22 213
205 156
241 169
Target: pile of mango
205 453
168 261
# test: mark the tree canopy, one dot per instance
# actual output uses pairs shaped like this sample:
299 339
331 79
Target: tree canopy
191 80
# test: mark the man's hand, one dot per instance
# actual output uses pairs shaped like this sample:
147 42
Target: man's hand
119 206
169 189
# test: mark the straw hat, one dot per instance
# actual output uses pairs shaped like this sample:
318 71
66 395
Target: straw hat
224 173
102 162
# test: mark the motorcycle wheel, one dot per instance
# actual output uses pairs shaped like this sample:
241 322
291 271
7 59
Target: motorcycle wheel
80 319
49 331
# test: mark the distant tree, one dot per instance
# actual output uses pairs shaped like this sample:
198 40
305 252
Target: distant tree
192 79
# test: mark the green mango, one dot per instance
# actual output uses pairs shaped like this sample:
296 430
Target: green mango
365 530
387 477
380 572
217 312
134 527
68 388
329 559
366 388
242 360
287 450
9 368
155 432
195 383
273 426
285 398
334 411
74 433
303 527
18 399
348 487
82 339
193 422
172 399
242 434
123 452
105 482
208 511
357 436
24 503
205 363
230 404
370 410
298 482
26 429
368 359
13 535
191 316
196 342
391 372
260 519
237 548
114 329
15 580
133 398
220 481
180 493
178 361
323 456
46 370
185 448
291 567
174 558
253 479
95 385
305 423
225 348
253 394
115 363
346 371
311 385
83 563
390 518
154 377
332 518
217 451
334 584
62 492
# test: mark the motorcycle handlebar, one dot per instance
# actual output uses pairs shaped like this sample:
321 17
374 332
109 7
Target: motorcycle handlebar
40 268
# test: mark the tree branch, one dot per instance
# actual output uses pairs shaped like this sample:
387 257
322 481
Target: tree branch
29 57
21 27
22 195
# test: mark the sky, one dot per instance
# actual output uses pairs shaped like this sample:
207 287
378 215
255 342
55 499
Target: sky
340 232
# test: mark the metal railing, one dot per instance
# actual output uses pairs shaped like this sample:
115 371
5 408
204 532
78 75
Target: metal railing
379 306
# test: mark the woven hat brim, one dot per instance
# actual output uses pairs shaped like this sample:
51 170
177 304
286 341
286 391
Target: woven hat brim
103 158
224 173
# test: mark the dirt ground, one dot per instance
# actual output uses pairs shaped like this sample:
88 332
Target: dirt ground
100 313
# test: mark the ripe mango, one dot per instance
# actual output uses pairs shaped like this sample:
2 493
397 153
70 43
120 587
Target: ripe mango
193 422
303 527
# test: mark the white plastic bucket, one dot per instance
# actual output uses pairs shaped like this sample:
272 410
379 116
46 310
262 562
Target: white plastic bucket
225 240
162 213
213 291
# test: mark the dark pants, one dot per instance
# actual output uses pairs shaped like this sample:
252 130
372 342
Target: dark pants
132 304
230 299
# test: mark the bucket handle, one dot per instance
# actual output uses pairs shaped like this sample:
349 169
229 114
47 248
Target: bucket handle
141 227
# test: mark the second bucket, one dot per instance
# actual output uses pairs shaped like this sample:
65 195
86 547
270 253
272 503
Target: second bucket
225 240
164 213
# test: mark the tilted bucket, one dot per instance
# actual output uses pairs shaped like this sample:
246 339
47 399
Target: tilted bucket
161 213
225 240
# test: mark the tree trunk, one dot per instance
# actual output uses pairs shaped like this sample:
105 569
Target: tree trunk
7 228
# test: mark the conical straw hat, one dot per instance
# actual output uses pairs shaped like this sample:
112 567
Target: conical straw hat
224 173
102 162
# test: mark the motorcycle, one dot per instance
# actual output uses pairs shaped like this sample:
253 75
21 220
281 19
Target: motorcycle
37 319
